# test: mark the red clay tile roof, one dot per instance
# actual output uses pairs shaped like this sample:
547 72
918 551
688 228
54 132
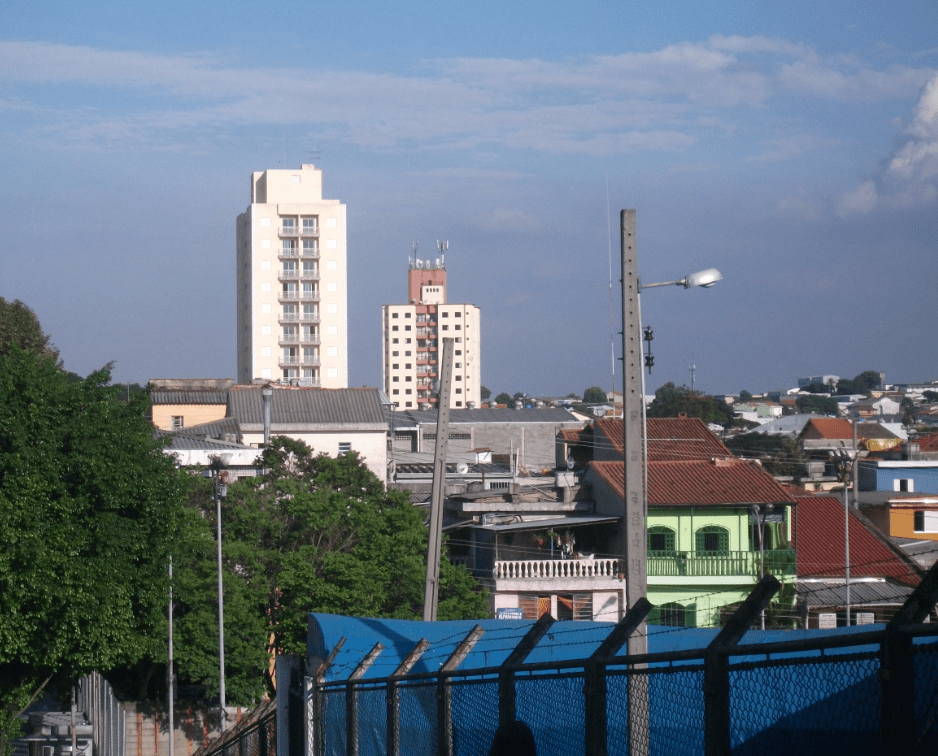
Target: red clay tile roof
827 427
669 438
928 443
717 482
575 435
818 540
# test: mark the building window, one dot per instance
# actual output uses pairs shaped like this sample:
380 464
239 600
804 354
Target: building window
396 392
925 522
179 423
673 615
660 541
458 352
457 314
712 540
396 365
345 447
408 404
393 314
407 365
459 404
459 391
445 314
395 379
393 341
393 328
394 354
408 391
904 484
445 327
458 377
406 327
458 327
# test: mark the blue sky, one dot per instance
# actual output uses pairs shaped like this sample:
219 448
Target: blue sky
795 148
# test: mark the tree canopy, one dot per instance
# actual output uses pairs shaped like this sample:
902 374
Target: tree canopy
594 395
672 401
504 398
89 509
779 455
314 534
19 327
816 404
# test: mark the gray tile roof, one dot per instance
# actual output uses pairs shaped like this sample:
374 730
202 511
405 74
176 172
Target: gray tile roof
308 409
862 593
188 396
216 429
552 415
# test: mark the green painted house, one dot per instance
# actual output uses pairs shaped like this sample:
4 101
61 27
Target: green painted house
706 510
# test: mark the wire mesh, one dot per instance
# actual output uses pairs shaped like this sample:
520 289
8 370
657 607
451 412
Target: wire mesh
475 716
372 721
333 722
670 700
821 705
270 735
926 698
250 743
559 726
418 707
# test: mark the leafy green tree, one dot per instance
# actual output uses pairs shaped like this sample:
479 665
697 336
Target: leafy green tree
744 396
314 534
89 509
930 396
503 398
594 395
779 455
484 393
672 401
909 411
19 327
816 404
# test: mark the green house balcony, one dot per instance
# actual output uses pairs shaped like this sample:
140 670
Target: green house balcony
778 562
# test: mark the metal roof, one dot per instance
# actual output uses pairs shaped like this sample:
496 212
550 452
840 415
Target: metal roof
308 409
215 429
568 521
188 396
411 418
862 593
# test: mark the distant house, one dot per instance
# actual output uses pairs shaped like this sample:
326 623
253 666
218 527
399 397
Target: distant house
329 421
834 433
881 575
178 403
706 510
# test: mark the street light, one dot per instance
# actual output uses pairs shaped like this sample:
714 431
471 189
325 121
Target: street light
220 491
764 509
635 482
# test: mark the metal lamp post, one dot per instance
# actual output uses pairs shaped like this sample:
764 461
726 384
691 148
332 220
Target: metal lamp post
633 533
220 481
764 509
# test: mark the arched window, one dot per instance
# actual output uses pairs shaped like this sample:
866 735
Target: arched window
712 540
660 541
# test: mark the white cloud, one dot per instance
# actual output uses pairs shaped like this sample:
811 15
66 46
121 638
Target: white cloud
668 99
909 176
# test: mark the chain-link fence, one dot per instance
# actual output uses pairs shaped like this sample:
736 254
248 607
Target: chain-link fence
808 697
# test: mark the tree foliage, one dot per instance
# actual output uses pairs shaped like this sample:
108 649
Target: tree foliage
503 398
19 327
779 455
816 404
314 534
672 401
484 393
864 383
594 395
89 507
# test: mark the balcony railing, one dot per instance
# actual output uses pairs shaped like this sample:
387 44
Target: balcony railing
309 361
731 563
310 339
288 296
310 296
539 569
288 339
289 360
309 275
288 317
311 318
287 275
288 252
311 252
288 230
309 231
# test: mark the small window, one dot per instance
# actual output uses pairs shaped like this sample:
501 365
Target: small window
395 379
458 377
395 366
407 365
458 327
457 314
660 541
406 314
393 328
178 422
926 522
396 392
394 354
408 391
904 484
458 352
393 314
345 447
446 328
445 314
406 328
393 341
459 391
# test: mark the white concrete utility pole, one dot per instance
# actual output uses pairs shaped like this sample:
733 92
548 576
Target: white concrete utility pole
431 596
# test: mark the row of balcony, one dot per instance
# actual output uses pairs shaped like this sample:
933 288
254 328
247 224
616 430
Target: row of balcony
299 230
288 318
301 361
293 252
302 275
295 296
288 339
778 562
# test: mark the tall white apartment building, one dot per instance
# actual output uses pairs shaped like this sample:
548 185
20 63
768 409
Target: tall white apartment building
292 282
413 344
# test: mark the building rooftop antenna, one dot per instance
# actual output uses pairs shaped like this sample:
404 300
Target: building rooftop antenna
693 371
442 246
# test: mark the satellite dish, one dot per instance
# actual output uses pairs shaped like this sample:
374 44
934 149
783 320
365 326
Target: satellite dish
462 468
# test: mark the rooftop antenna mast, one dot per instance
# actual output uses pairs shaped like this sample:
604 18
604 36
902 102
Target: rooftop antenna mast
693 371
442 246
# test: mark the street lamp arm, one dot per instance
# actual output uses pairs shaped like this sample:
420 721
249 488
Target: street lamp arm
703 278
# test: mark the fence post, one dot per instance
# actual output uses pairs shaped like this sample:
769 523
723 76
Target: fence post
506 675
444 696
351 699
315 738
393 697
716 684
897 672
594 688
